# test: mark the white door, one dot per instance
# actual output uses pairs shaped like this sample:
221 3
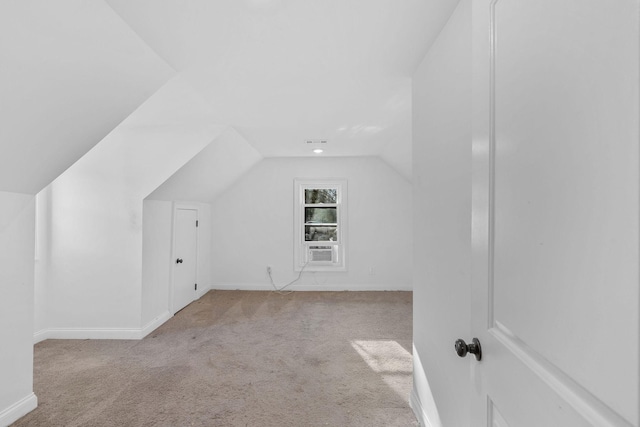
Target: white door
555 213
185 251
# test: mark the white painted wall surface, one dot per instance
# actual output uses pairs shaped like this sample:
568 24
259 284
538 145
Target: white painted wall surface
252 226
399 155
442 222
17 219
42 263
95 287
156 259
204 248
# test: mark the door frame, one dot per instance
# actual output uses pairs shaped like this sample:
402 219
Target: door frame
174 213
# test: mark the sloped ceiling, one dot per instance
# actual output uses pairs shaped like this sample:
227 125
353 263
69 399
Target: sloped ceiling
279 72
70 71
153 143
283 71
212 171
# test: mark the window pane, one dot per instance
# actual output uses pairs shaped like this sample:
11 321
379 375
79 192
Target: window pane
320 234
321 215
321 195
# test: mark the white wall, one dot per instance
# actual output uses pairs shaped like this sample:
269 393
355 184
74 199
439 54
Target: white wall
157 219
42 263
204 248
442 223
158 260
17 240
252 226
70 72
96 207
199 181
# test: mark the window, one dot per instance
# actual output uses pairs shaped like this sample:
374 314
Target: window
320 225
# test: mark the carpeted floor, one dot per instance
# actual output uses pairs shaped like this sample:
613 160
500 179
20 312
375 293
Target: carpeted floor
236 358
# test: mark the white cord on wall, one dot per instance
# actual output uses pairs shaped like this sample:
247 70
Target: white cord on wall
279 290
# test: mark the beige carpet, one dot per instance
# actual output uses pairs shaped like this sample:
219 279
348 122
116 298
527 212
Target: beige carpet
240 359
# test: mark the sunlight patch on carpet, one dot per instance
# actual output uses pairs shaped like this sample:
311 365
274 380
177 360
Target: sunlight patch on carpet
390 360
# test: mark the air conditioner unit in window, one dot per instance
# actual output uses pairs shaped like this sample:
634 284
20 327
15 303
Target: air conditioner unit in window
322 254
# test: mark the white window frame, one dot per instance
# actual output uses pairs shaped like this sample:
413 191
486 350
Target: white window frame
301 251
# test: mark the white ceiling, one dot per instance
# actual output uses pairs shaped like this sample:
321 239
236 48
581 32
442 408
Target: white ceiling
276 71
283 71
70 71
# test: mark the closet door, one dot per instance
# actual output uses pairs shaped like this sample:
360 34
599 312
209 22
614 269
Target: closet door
185 268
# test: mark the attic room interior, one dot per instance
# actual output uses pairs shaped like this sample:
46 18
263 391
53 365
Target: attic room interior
465 173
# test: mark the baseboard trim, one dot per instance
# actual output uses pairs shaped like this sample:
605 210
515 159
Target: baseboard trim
18 410
154 324
95 333
106 333
421 399
311 287
40 336
418 410
203 290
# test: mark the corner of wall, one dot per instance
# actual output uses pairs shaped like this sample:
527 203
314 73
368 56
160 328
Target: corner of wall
18 410
41 335
202 290
154 324
418 410
400 160
17 249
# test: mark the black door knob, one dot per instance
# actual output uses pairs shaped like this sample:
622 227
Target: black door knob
462 348
179 261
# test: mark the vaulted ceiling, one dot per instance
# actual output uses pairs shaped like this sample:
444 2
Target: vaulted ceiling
70 71
278 72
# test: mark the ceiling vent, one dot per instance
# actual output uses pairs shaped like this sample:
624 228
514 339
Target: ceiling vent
316 141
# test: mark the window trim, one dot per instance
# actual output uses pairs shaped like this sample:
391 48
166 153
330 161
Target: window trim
301 247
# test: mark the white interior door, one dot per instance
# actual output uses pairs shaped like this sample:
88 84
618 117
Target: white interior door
185 251
556 213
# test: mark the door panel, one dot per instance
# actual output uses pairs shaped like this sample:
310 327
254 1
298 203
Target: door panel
185 258
495 417
555 212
